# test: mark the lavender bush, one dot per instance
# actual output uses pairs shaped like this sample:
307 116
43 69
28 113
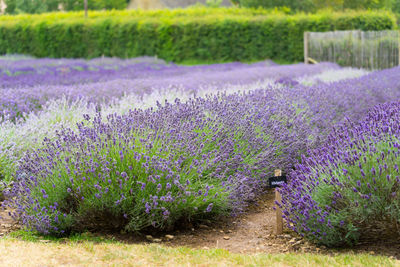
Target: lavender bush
350 187
154 168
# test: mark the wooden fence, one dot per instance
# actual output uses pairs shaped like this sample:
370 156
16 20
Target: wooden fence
368 50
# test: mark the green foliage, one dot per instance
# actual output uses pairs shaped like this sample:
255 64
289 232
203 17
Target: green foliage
30 6
219 34
41 6
314 5
213 3
298 5
366 4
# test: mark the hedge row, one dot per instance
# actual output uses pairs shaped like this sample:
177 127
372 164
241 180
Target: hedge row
159 13
225 34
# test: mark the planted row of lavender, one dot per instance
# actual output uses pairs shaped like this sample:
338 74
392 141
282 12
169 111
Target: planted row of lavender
16 138
15 73
25 93
349 188
154 168
32 72
331 102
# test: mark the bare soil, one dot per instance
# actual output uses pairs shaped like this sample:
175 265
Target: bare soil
7 224
252 232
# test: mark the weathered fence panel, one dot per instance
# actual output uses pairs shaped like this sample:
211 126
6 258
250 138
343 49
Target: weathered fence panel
369 50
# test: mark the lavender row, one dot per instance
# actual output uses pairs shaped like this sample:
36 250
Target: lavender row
108 85
17 137
331 103
349 188
153 168
23 73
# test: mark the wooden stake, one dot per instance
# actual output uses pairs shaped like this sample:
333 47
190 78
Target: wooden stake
398 46
279 219
305 47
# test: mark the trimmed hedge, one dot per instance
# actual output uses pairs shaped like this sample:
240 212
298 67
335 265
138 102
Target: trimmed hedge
220 34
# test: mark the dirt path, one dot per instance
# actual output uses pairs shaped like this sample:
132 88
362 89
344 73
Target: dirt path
7 224
254 232
251 232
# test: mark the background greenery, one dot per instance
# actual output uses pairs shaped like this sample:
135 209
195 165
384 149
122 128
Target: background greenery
41 6
222 34
314 5
309 6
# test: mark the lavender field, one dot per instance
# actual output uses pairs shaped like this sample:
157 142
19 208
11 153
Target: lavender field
150 144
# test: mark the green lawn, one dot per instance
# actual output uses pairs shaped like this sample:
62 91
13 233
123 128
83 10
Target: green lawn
21 249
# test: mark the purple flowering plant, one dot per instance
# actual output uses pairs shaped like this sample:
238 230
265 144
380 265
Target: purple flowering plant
40 95
112 176
106 80
351 184
157 167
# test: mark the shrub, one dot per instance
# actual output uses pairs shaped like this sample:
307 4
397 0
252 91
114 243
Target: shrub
313 5
218 34
152 168
23 6
300 5
350 187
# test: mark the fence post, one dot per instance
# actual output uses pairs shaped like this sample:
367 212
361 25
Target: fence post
278 198
398 47
306 35
85 6
360 57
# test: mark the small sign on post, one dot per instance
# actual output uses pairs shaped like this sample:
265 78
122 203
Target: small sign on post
275 182
278 180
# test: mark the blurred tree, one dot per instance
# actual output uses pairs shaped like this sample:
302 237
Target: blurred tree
297 5
364 4
213 3
396 6
30 6
40 6
314 5
333 4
